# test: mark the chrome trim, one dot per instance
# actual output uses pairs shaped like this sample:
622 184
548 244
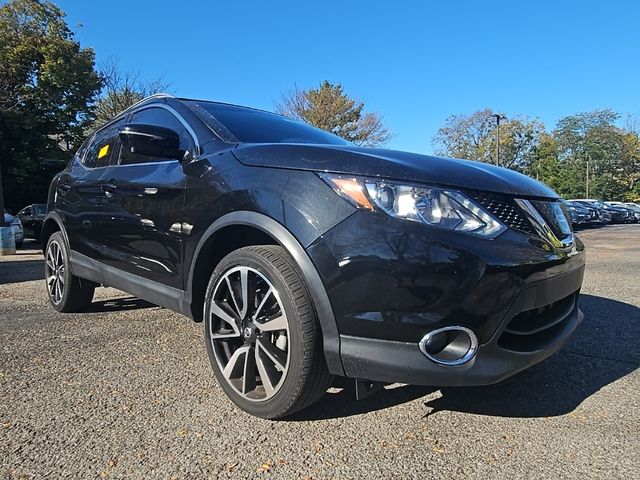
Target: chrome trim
140 102
473 348
541 226
159 162
141 134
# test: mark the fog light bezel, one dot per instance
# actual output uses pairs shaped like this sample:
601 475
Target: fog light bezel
468 356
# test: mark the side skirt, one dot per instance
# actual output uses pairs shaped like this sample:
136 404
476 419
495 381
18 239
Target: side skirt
154 292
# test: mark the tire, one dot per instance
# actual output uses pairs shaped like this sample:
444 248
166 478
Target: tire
66 292
263 373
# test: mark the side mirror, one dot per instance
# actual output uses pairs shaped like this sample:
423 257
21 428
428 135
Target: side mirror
152 141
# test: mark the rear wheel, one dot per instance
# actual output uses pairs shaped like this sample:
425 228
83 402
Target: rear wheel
262 334
67 293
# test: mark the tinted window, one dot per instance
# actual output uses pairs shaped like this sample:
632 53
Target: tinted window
162 118
101 149
40 209
83 149
256 126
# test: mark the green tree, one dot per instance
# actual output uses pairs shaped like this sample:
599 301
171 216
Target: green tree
328 107
610 152
473 137
565 177
631 168
47 87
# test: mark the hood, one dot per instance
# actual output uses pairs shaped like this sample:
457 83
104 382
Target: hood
392 164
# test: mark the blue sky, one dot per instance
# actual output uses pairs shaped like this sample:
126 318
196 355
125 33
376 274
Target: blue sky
415 62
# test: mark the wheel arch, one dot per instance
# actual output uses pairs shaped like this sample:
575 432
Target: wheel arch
52 223
255 227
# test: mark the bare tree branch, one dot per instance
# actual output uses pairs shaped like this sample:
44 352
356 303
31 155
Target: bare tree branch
121 90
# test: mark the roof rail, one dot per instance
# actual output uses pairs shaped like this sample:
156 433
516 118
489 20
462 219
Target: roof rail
145 99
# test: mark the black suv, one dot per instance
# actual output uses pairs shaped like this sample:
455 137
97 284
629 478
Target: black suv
308 257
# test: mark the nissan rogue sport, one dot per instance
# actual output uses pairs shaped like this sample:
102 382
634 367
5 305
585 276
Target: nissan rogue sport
308 257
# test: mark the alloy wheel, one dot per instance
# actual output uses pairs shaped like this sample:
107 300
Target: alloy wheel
249 333
55 272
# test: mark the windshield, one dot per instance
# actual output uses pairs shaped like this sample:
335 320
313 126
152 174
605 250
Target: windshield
256 126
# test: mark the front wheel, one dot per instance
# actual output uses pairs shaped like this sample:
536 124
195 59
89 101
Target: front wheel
262 334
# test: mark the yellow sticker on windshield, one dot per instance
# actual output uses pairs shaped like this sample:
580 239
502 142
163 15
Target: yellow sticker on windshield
103 151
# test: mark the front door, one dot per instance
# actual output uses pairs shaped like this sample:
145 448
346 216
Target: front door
142 234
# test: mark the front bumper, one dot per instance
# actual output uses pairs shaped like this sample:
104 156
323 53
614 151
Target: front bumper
580 219
504 355
391 281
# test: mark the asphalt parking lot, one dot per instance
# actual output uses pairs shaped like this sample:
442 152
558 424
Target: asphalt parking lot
125 391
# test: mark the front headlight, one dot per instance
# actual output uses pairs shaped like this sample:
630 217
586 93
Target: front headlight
438 207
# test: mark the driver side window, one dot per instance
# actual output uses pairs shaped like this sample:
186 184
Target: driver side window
162 118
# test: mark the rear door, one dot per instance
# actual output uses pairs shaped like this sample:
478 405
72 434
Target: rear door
79 196
143 233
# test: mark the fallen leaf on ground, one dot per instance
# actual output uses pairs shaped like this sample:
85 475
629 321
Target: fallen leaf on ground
265 467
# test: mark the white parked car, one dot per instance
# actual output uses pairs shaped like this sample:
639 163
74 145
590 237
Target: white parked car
16 226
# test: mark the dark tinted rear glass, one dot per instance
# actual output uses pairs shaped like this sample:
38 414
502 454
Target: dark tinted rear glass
255 126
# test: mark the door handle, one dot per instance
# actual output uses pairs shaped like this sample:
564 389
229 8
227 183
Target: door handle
109 189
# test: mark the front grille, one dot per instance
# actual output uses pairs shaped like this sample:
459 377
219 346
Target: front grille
504 208
535 329
556 217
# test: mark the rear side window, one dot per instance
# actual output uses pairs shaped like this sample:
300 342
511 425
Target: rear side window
162 118
83 149
101 149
